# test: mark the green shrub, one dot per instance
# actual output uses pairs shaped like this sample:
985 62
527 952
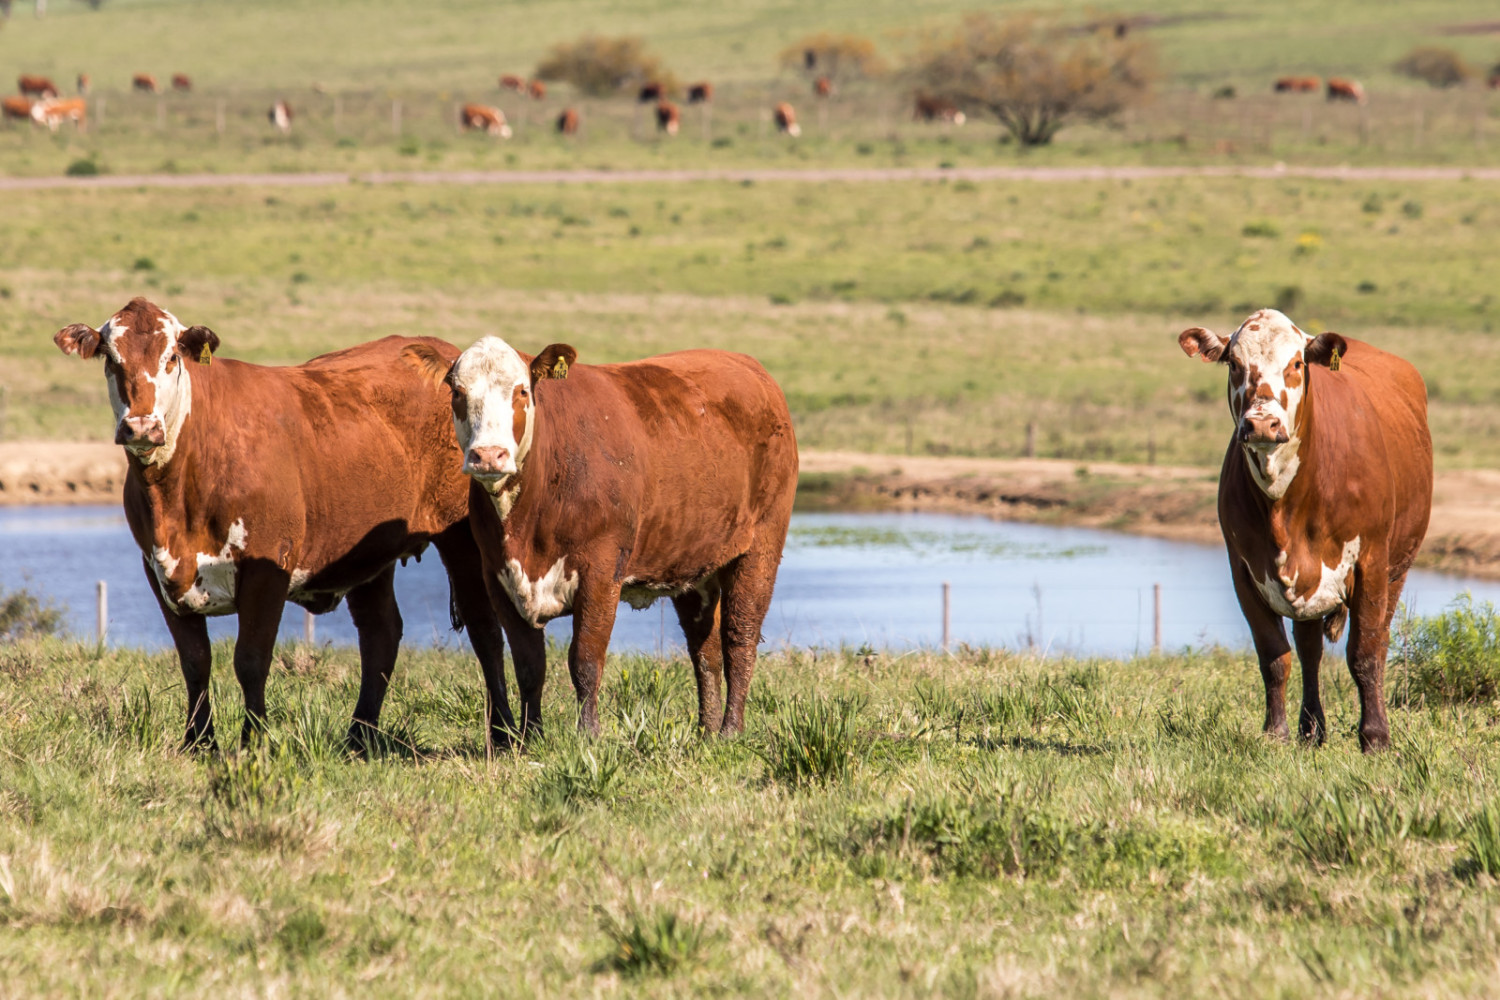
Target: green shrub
1482 837
1435 65
812 741
1263 228
83 168
1451 657
1346 828
582 772
658 944
599 66
23 615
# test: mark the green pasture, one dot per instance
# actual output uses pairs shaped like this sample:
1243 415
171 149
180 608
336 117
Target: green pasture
343 64
892 824
934 317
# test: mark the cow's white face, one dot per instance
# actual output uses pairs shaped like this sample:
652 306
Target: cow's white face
492 411
146 351
1267 359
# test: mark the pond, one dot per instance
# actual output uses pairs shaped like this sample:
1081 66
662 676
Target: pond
846 579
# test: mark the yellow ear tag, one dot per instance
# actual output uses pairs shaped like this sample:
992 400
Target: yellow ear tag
205 356
1333 362
560 368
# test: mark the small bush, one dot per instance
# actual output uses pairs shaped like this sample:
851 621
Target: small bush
601 66
1372 204
253 800
659 944
1482 837
1411 209
1344 829
1366 288
1435 65
1261 228
812 741
23 615
581 773
143 264
83 168
1451 657
838 57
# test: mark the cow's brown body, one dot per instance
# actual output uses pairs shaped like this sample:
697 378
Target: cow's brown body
1337 543
16 108
536 90
822 87
511 82
668 477
301 484
1345 90
650 91
1298 85
786 119
35 86
483 118
936 109
145 82
182 82
568 121
668 118
53 112
701 93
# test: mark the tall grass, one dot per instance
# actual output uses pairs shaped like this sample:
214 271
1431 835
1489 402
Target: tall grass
812 741
1450 657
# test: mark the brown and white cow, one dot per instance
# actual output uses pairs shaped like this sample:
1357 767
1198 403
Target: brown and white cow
936 109
822 87
280 115
786 120
701 93
145 82
650 91
1324 498
182 83
484 118
55 111
567 122
1298 85
250 486
512 82
668 118
668 477
35 86
1345 90
16 108
536 90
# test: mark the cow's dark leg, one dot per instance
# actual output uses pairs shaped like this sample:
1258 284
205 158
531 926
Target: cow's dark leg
1312 727
528 653
466 582
594 610
1271 648
698 614
195 655
1369 635
372 605
747 584
260 597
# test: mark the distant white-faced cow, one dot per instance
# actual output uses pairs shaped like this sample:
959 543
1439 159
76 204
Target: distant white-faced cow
650 91
54 112
786 120
567 122
668 477
145 82
936 109
16 108
668 118
35 86
701 93
822 87
1345 90
83 84
251 486
182 83
1323 501
280 115
484 119
536 90
1298 85
510 82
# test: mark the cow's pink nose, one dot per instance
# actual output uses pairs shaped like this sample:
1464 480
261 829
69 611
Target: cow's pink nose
141 430
487 461
1262 429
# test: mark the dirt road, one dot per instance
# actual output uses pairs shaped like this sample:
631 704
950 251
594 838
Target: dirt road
842 175
1165 501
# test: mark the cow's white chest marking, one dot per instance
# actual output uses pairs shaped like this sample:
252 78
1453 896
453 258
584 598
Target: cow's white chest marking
215 578
1280 592
543 599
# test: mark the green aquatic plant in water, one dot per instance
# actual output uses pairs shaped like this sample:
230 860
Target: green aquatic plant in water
927 543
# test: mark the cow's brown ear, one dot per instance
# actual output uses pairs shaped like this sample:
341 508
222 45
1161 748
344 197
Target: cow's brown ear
553 362
1325 349
1201 342
79 339
428 362
198 343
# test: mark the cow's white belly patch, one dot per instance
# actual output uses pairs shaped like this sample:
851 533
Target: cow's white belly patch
640 594
1332 590
214 584
540 600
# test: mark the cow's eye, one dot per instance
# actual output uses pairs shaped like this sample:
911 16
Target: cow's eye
1297 364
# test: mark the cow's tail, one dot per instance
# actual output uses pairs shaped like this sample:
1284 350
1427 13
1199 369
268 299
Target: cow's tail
455 616
1333 624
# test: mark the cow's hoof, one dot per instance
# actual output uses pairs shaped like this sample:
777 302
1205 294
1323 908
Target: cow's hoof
1374 742
202 744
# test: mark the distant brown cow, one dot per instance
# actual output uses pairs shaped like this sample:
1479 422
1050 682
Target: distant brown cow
649 92
822 87
16 108
83 84
55 111
1345 90
668 118
249 487
701 93
1324 498
145 82
485 119
786 120
670 477
567 122
35 86
936 109
280 115
1494 81
516 83
536 90
1298 85
182 82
